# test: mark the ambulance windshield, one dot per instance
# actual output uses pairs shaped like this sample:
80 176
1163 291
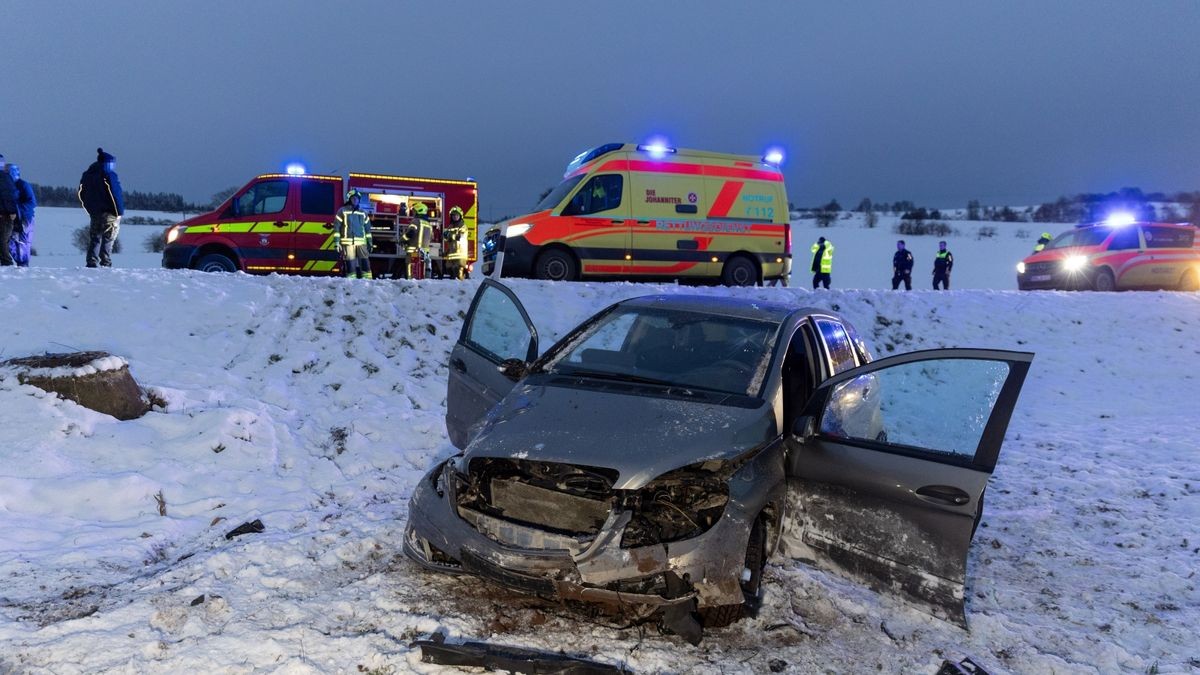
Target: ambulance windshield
557 194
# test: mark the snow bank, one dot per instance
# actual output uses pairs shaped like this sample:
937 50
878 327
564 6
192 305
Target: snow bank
315 404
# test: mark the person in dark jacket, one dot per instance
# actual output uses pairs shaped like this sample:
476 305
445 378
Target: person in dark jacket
8 212
902 264
100 194
22 235
942 264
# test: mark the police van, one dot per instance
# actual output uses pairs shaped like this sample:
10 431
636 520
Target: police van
1116 255
655 212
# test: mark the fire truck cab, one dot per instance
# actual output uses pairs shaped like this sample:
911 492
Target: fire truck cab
1116 255
655 212
283 222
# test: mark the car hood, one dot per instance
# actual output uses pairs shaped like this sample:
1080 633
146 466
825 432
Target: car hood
635 431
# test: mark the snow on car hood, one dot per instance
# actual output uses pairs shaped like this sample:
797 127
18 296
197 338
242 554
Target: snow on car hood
636 431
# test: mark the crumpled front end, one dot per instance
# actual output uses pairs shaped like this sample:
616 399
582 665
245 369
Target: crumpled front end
562 532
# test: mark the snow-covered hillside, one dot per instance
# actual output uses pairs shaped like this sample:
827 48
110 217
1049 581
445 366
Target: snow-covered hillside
314 405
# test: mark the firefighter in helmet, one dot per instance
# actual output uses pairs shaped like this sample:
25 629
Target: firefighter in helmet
352 236
1042 241
453 230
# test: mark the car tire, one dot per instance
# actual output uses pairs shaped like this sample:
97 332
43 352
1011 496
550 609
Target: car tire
1104 281
756 562
216 262
1190 281
739 271
556 265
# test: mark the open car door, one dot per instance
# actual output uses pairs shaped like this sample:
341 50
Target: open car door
497 343
888 463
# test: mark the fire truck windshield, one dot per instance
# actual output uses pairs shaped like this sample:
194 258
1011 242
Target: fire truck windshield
557 194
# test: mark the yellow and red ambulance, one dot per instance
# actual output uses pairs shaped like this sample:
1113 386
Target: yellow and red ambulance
283 222
655 212
1116 255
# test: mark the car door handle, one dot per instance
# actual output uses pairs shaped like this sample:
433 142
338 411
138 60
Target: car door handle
328 226
943 494
459 365
280 223
617 222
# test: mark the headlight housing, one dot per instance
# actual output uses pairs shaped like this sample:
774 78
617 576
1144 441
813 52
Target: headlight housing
1021 267
517 229
678 505
1074 263
174 232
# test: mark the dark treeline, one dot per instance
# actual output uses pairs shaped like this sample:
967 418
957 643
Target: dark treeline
55 195
1081 208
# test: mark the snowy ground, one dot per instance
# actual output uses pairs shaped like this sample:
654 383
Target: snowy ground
314 405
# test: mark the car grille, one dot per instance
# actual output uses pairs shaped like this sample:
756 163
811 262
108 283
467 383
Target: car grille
560 498
1046 267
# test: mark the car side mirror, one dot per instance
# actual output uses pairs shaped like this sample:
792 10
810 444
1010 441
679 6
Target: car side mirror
513 369
804 429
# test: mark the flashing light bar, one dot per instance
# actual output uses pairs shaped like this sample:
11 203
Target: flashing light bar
656 149
1120 219
295 169
773 156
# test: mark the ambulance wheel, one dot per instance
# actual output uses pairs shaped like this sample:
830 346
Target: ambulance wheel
556 265
216 262
1104 281
739 271
1190 281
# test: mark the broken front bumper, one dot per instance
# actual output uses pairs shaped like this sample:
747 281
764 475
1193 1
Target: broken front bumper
698 572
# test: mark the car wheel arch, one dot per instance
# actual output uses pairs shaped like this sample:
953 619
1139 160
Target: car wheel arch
219 249
564 249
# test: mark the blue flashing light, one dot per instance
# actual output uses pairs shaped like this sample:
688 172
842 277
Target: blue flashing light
656 147
296 169
774 156
1120 219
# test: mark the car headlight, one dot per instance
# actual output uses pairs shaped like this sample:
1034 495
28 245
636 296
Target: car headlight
174 232
517 229
1021 267
678 505
1075 263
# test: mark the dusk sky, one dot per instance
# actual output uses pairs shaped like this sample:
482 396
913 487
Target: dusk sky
1011 102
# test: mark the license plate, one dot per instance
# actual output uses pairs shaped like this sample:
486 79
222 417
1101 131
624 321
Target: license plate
1040 277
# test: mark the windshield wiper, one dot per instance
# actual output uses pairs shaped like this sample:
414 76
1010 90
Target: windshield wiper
623 377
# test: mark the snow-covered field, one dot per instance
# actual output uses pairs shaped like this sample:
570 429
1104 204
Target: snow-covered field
314 404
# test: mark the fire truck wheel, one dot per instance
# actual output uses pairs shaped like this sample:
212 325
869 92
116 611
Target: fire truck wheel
1104 281
739 271
216 262
556 265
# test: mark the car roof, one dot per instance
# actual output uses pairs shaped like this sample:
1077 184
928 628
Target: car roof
744 308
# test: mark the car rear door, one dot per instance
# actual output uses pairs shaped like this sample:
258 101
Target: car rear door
495 332
313 248
887 483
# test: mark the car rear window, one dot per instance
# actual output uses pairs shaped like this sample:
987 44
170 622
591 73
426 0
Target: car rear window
1169 237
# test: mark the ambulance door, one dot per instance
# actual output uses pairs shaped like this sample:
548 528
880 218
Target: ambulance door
1171 254
313 246
669 237
598 229
258 223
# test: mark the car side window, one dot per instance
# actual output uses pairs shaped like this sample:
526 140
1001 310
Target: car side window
601 193
1169 237
498 328
1125 239
940 407
269 196
838 343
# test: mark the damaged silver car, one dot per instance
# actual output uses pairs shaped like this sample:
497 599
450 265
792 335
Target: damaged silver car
655 457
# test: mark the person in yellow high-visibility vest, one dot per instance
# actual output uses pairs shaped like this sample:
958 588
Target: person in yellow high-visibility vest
352 236
822 262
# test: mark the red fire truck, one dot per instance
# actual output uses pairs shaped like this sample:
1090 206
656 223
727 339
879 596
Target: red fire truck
283 222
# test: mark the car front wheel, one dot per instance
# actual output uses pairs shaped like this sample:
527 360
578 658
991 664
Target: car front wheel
1104 281
752 574
556 265
216 262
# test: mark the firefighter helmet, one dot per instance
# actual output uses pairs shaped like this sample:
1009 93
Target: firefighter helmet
351 193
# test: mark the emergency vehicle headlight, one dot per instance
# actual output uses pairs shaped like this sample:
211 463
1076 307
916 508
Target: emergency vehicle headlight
173 233
1075 263
517 229
1021 267
295 169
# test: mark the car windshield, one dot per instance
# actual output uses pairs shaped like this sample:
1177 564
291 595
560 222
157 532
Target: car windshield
1090 236
670 347
558 193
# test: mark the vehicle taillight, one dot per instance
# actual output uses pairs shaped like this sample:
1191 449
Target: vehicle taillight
787 238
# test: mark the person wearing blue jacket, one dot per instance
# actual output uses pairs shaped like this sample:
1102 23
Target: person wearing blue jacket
100 195
8 212
22 236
